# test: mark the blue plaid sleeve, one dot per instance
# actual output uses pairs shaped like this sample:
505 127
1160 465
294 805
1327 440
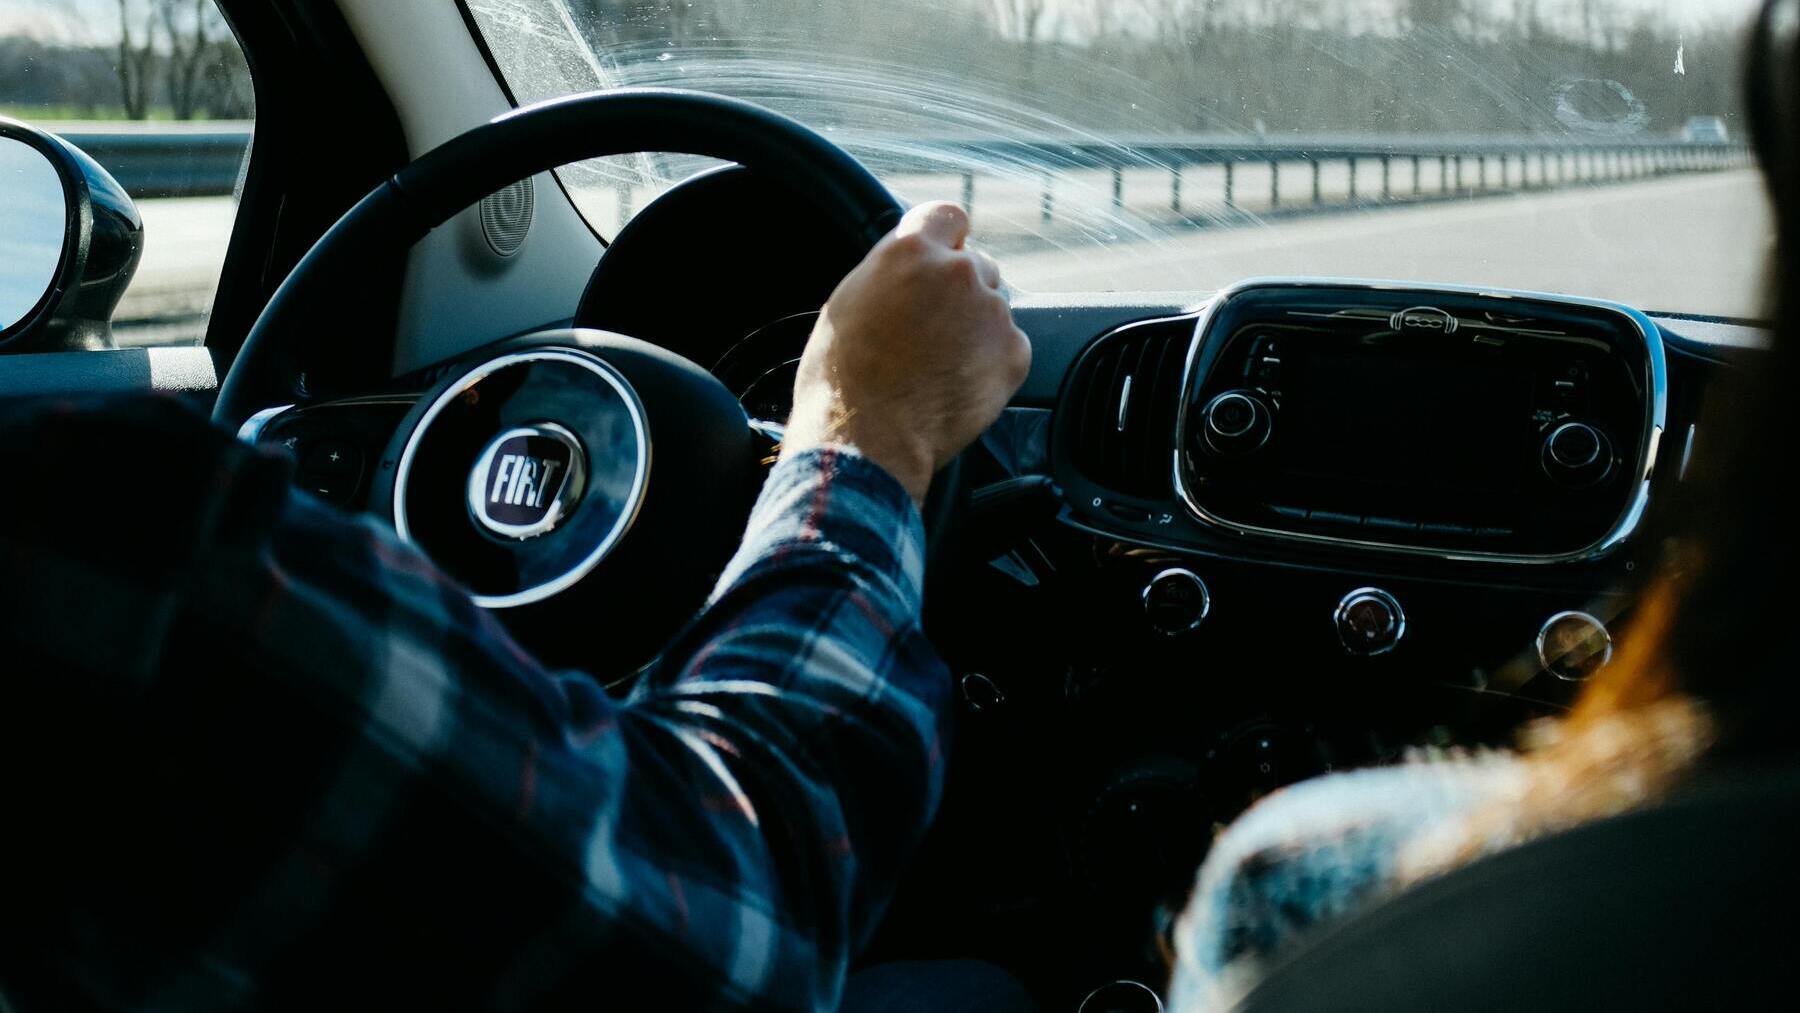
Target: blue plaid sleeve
257 752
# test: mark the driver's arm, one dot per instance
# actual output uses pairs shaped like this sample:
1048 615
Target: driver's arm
251 749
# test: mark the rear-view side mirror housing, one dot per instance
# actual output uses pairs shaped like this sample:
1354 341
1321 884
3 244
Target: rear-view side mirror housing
70 241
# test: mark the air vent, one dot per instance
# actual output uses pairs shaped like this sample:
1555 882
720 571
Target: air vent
506 217
1123 401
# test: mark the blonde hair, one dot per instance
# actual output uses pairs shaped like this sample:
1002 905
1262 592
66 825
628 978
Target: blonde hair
1631 737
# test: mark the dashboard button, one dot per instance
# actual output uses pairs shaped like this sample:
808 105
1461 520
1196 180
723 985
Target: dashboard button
1176 601
333 457
1577 455
1573 645
332 488
1574 445
1370 621
1235 423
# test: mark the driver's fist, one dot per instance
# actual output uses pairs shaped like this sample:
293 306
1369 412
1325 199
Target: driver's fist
915 354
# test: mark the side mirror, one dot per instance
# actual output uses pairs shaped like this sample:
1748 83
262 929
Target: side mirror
70 240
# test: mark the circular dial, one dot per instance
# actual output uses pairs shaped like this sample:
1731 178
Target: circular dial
1577 455
1176 601
1235 423
1370 621
1573 645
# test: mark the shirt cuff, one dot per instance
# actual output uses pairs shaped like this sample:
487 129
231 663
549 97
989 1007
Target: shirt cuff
832 499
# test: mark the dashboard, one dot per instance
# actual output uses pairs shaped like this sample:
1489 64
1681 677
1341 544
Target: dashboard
1220 543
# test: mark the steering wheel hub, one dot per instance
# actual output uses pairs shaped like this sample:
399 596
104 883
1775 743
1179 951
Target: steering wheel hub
526 473
550 450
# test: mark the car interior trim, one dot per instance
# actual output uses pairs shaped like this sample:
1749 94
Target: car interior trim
1628 521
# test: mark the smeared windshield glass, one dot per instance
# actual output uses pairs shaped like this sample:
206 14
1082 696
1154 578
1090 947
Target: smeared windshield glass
1592 147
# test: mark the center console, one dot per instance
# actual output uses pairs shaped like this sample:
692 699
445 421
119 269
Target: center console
1419 421
1452 423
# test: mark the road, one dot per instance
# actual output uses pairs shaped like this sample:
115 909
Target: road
1685 243
1695 243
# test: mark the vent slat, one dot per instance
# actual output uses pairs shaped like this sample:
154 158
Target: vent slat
1159 429
1135 460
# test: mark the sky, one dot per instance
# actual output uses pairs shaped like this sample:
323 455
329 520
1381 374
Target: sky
53 20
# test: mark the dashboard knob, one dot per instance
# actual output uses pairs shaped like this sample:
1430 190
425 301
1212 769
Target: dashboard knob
1370 621
1577 454
1573 645
1176 601
1235 423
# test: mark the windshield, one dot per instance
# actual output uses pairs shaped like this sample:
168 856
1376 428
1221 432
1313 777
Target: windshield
1589 147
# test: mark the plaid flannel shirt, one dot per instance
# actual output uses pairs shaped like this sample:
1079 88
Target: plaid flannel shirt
256 752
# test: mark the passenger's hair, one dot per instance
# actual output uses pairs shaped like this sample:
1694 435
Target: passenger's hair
1706 672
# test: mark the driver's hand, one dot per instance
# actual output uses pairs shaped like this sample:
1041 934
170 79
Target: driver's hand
915 354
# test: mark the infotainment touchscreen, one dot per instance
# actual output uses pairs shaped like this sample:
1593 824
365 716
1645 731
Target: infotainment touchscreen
1427 421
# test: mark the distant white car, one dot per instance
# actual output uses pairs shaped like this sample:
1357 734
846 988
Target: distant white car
1705 130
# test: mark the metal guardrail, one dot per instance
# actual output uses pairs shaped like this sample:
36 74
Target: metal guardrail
156 160
1380 170
165 160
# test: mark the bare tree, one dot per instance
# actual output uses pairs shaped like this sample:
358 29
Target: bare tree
1018 20
188 28
137 58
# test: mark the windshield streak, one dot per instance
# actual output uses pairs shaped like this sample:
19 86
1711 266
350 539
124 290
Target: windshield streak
1588 147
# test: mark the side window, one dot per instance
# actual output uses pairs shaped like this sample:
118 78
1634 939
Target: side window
157 92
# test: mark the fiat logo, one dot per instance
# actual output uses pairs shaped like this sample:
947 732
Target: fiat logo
1424 318
527 481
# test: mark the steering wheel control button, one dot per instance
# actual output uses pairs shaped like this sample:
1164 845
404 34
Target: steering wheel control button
527 480
1176 601
1370 621
331 470
1577 455
1235 423
332 457
1573 645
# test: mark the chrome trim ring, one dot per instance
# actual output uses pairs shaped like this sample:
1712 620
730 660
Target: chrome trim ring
1588 618
640 474
1379 597
1655 419
1593 455
1213 434
1184 573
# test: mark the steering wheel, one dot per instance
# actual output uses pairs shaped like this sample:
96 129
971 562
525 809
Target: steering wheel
567 474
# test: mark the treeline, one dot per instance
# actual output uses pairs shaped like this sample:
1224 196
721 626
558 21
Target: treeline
173 59
1150 66
1115 67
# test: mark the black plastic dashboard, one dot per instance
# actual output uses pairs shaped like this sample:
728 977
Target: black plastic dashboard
1152 623
1127 684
